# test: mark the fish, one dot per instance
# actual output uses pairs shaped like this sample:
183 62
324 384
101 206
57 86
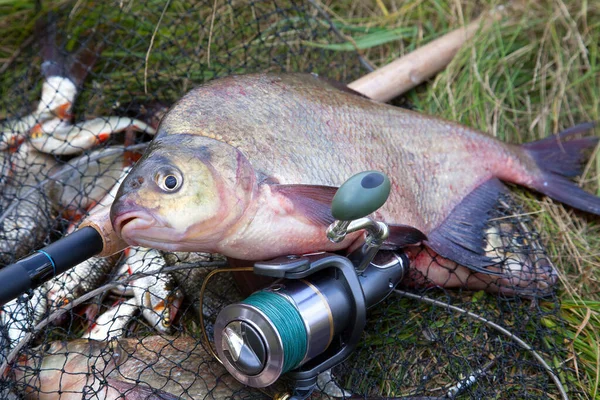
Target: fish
247 166
60 137
19 316
63 77
113 322
6 387
8 166
26 226
179 367
79 280
87 183
157 295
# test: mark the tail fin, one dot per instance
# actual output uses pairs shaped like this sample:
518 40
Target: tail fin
559 159
53 61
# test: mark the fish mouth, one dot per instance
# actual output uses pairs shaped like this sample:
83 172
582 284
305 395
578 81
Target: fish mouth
130 221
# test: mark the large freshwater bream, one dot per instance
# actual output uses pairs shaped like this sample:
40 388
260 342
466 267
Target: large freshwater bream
246 166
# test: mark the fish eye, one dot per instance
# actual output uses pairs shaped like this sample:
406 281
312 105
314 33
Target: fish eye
169 180
519 241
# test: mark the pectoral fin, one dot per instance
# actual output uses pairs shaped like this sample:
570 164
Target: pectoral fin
313 201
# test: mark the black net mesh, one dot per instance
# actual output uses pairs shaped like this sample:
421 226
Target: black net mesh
141 307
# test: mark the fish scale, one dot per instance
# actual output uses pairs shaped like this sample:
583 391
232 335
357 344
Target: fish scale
176 367
79 280
27 225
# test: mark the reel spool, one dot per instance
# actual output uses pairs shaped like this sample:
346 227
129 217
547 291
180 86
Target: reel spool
312 318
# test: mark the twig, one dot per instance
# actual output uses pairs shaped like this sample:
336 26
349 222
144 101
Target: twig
210 32
495 326
151 44
14 56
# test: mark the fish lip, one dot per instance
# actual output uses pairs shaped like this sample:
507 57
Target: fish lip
140 219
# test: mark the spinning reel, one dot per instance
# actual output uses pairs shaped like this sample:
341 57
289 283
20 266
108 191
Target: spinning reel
312 318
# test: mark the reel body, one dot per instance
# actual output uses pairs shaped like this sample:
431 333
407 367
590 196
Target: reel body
330 299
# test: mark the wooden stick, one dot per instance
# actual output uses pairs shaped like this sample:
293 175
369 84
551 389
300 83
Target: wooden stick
412 69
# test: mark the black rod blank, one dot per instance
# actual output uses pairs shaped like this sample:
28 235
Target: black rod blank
44 264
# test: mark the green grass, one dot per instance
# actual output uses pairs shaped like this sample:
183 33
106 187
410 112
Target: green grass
535 72
532 74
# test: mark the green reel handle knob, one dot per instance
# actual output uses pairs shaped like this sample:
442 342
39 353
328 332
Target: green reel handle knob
360 196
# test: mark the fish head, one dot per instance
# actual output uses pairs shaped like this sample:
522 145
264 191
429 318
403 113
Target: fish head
58 95
183 194
163 313
160 301
521 259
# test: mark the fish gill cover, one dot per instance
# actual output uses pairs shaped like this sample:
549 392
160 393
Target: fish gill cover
132 320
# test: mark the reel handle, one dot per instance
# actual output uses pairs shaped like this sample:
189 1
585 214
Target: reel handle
361 195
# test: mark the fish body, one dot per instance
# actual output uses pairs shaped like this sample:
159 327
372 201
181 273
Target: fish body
246 166
60 137
26 226
156 295
8 166
177 366
13 131
19 316
79 280
113 323
87 184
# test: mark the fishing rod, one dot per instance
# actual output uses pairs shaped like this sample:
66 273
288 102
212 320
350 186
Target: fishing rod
94 238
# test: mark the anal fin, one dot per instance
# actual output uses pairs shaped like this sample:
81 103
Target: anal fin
460 237
403 235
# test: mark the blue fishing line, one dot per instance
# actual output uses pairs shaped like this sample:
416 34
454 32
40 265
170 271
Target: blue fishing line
287 321
49 258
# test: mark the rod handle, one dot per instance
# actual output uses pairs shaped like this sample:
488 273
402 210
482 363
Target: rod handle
100 221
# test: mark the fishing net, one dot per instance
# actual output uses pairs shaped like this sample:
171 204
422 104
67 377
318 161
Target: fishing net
143 307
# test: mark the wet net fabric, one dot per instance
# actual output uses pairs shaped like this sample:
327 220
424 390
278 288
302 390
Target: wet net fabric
130 324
